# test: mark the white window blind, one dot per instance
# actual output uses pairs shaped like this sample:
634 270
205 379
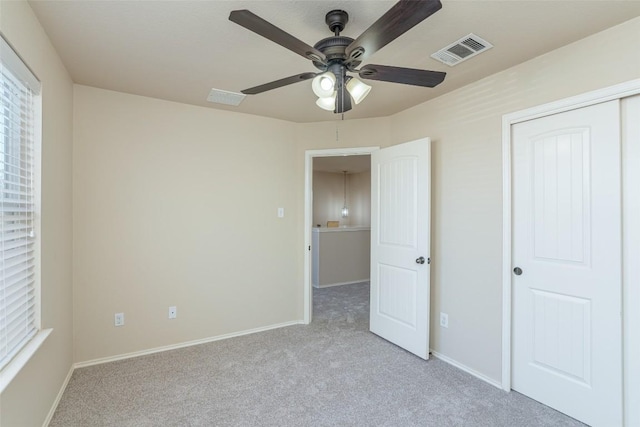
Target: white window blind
18 299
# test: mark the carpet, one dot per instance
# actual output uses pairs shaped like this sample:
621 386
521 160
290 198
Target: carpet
333 372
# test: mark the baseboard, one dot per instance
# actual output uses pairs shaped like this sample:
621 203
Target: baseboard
466 369
329 285
58 397
184 344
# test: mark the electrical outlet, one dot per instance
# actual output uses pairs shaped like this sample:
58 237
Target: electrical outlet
119 319
444 320
280 212
173 312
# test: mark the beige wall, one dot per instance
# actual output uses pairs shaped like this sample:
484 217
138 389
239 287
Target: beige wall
359 198
177 205
340 256
465 127
328 198
28 399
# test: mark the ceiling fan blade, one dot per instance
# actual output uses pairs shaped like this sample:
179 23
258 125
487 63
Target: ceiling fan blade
259 26
279 83
403 16
407 76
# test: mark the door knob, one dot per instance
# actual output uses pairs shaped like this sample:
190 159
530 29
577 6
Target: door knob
420 260
517 271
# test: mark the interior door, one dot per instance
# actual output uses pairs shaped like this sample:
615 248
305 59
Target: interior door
566 343
400 244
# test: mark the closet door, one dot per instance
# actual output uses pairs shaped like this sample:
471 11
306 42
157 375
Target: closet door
566 282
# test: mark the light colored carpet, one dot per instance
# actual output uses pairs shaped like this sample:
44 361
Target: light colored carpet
330 373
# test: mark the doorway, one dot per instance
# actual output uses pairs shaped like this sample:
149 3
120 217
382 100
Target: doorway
341 231
309 220
400 243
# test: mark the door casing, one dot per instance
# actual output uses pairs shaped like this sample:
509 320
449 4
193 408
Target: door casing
630 284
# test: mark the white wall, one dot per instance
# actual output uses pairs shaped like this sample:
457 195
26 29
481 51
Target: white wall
328 198
30 396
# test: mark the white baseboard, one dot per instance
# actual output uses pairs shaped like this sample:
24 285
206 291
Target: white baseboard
329 285
184 344
58 397
466 369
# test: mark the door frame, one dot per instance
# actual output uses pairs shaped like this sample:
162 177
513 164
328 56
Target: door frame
631 280
308 213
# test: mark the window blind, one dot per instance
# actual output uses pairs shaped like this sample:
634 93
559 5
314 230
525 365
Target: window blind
18 302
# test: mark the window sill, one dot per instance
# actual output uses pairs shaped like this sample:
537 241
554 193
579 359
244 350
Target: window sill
13 368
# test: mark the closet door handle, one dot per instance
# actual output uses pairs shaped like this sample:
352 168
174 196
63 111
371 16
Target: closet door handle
420 260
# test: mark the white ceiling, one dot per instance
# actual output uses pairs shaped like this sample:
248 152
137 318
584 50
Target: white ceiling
179 50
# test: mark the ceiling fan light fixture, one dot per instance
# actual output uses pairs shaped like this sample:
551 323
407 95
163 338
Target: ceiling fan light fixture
358 89
327 102
324 85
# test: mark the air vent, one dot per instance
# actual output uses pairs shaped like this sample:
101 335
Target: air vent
465 48
224 97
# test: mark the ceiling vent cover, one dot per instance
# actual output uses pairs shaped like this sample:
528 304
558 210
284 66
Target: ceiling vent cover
224 97
465 48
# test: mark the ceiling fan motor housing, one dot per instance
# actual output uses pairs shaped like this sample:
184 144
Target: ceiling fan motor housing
334 47
336 20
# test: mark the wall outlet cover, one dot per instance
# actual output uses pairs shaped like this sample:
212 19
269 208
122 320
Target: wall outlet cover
444 320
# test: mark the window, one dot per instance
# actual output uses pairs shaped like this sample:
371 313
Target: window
19 112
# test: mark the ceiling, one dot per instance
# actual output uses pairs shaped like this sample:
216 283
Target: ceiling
339 164
179 50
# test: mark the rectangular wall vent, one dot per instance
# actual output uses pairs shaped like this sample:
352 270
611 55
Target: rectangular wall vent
461 50
224 97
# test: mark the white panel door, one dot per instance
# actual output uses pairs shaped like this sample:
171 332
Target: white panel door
400 245
566 241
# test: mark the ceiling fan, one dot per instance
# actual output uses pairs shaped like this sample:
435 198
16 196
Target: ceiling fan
338 55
